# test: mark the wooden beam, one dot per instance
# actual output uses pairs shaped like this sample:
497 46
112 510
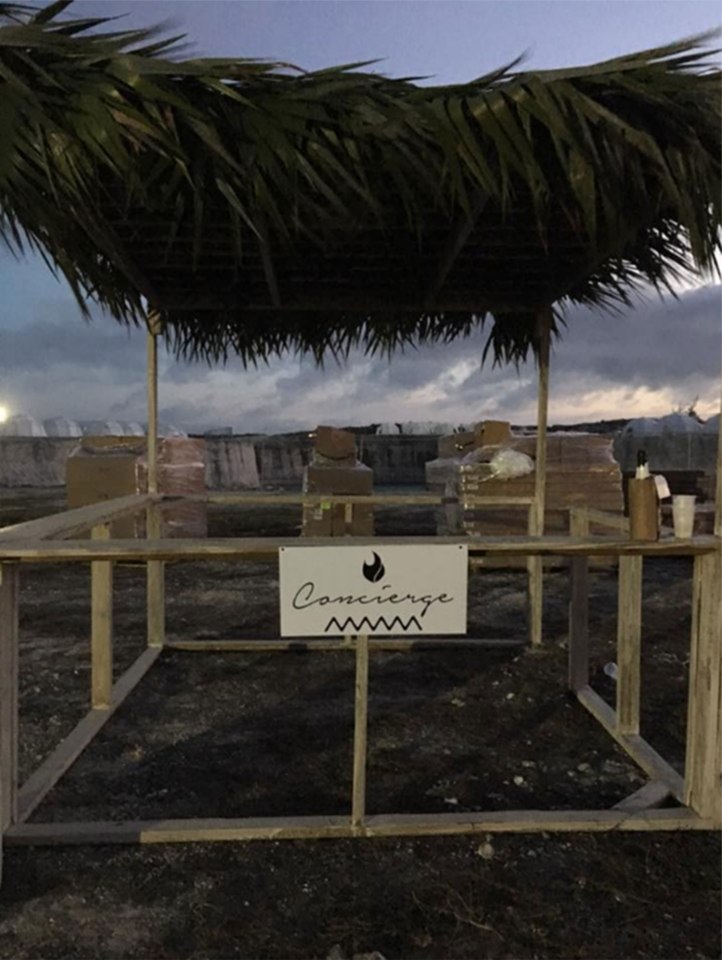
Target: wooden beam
652 794
71 523
41 782
646 757
9 596
536 513
387 825
629 643
579 624
101 639
377 499
155 584
718 492
152 389
83 551
376 645
703 766
361 699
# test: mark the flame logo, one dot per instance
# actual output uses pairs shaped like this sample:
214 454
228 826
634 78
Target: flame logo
374 571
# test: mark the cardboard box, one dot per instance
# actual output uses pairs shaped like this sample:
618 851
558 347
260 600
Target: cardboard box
456 444
329 520
93 478
103 468
357 480
334 444
490 433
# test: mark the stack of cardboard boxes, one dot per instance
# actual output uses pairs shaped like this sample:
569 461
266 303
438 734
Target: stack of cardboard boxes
103 468
335 470
581 471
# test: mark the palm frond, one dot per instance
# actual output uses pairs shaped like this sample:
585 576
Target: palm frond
262 208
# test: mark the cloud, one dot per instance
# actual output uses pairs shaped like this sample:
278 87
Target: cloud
645 361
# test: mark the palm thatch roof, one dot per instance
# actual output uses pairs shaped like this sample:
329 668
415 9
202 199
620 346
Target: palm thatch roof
258 207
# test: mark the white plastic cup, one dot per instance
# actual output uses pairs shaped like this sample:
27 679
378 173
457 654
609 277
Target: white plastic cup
683 515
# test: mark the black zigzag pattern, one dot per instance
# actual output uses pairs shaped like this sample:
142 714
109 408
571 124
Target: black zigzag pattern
366 625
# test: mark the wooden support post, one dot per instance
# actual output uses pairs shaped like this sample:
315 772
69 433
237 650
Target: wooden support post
718 493
703 767
155 583
152 374
629 643
358 802
579 605
154 520
536 514
9 591
101 635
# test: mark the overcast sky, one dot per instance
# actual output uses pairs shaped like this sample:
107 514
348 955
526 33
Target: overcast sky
652 359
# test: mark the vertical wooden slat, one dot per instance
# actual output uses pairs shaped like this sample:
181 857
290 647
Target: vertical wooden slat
152 377
629 643
579 606
703 768
358 801
9 580
155 569
9 592
536 514
718 494
101 635
155 581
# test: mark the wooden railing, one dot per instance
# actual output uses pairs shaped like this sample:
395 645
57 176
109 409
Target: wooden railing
54 539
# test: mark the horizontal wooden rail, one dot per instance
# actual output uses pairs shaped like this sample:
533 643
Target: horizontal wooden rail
386 825
232 548
73 522
373 499
376 644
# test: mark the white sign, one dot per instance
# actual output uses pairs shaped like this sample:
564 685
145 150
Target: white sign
376 591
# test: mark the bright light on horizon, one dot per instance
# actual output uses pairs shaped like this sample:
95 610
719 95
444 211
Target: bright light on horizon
3 414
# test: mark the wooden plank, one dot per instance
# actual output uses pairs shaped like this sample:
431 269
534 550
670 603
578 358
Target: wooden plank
39 784
152 394
9 595
377 499
533 821
155 585
535 567
73 522
578 665
101 634
231 548
361 698
629 643
652 794
645 756
535 599
376 644
603 518
180 831
718 490
703 765
388 825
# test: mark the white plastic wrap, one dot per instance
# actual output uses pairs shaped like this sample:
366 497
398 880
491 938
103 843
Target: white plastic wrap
507 464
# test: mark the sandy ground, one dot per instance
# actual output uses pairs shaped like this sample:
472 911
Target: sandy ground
208 734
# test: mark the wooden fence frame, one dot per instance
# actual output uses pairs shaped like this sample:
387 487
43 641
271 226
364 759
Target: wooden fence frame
48 540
